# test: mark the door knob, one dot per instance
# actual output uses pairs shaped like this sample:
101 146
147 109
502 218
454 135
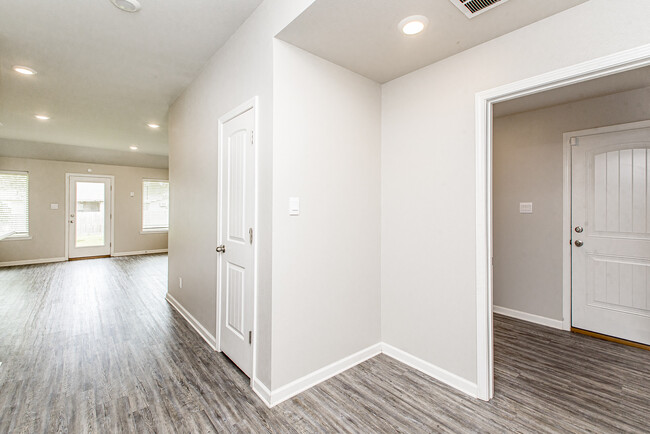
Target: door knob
221 249
578 243
71 221
579 229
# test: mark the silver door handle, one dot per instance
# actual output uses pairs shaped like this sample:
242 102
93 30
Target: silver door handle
71 221
578 243
221 249
579 229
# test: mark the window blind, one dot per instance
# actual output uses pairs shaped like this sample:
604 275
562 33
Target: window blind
14 202
155 205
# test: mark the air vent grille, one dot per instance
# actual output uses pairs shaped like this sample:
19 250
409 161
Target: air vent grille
472 8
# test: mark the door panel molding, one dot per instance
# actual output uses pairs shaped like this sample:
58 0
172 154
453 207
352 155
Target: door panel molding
67 209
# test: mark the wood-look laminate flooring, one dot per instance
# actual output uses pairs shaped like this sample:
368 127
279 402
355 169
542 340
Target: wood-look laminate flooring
92 346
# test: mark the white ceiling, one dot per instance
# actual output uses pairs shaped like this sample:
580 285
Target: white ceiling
103 73
362 35
630 80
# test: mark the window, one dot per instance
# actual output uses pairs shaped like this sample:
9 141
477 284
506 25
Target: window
14 203
155 205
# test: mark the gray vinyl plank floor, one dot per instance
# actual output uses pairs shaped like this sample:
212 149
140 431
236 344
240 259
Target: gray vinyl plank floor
92 346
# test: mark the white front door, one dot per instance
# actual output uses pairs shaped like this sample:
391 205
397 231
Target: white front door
89 216
611 234
236 237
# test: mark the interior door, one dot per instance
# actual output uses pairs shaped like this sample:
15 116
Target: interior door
89 216
611 234
237 213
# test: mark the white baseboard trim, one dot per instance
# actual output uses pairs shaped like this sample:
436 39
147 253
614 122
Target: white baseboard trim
202 331
32 262
262 391
140 252
548 322
301 384
431 370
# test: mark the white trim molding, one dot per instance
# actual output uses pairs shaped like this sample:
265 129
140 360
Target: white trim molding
310 380
627 60
431 370
140 252
196 325
525 316
262 391
32 262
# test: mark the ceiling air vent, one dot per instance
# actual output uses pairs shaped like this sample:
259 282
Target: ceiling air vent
472 8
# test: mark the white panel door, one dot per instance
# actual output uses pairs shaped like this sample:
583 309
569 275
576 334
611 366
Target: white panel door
237 216
611 234
89 216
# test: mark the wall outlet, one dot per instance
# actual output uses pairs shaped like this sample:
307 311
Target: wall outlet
525 208
180 282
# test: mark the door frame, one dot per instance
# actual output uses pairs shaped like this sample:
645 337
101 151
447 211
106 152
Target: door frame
251 104
67 209
612 64
567 139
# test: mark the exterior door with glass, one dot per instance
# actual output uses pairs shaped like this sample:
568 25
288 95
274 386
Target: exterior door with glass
89 216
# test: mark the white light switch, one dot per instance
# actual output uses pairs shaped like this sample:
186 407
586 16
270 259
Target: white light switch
132 194
54 206
525 208
294 206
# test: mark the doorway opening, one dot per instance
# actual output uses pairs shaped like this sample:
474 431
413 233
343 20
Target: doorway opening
485 104
89 216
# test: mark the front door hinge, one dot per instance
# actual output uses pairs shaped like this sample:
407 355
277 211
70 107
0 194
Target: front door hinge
250 235
573 141
252 137
250 337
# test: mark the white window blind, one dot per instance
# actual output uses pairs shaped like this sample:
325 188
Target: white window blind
155 205
14 203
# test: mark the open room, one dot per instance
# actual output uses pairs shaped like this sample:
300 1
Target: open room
324 215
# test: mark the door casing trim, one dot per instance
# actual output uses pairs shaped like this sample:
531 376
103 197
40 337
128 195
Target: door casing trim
67 208
251 104
612 64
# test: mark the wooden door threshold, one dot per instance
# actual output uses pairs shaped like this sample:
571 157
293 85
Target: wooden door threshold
89 257
611 339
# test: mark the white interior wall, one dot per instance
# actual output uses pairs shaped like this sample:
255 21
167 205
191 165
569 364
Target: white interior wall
428 172
528 165
326 151
240 70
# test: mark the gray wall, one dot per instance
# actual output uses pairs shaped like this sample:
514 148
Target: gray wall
47 226
326 149
528 163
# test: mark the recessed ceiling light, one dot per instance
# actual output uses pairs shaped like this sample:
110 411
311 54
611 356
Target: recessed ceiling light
24 70
42 117
133 148
153 126
127 5
413 25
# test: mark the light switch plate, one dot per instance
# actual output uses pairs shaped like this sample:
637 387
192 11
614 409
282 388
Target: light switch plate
54 206
132 194
294 206
525 208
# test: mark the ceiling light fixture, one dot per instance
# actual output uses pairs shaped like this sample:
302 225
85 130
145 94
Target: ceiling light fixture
127 5
154 126
133 148
24 70
413 25
42 117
